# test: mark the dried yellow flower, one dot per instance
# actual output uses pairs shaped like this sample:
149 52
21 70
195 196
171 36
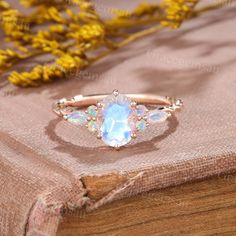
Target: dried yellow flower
57 28
4 5
68 62
177 11
67 34
38 75
54 14
89 32
44 40
7 57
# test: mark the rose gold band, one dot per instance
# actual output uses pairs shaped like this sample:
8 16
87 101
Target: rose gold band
81 100
170 104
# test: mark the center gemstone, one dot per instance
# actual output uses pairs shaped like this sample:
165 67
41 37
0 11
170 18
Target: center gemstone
115 129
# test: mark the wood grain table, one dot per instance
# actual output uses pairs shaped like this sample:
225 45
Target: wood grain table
206 207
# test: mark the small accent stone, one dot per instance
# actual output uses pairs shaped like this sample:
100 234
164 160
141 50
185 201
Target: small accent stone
92 111
157 116
76 117
141 125
141 110
92 126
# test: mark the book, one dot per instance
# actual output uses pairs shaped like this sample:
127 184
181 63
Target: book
48 166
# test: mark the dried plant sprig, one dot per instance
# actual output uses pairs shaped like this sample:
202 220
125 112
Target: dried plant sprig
68 30
177 11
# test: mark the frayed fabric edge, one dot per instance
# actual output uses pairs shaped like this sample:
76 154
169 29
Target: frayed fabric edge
46 213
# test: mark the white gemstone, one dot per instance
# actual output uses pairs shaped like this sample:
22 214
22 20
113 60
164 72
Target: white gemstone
76 117
116 129
157 116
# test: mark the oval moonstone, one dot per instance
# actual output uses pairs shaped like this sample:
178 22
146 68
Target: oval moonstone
116 129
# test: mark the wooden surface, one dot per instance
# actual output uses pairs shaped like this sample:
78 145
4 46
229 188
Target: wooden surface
206 207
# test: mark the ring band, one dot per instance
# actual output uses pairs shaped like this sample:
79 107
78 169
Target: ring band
116 118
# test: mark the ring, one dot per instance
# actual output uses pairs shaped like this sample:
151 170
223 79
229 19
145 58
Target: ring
116 118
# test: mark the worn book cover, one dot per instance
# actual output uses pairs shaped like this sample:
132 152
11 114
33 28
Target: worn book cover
48 166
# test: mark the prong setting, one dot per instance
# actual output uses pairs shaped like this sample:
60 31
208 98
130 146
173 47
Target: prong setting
115 92
116 119
99 105
133 104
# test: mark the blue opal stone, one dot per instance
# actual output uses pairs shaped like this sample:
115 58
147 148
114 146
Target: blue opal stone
92 126
141 125
92 111
116 130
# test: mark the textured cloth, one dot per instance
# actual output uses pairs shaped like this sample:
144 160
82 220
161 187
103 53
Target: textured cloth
48 166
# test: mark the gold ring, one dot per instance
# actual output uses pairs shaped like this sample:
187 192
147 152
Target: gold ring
116 118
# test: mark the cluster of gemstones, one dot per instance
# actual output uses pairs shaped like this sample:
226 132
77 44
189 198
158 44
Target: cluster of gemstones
116 119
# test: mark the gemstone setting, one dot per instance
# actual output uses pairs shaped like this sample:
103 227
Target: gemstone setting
92 126
141 125
116 119
157 116
92 111
76 117
141 110
116 129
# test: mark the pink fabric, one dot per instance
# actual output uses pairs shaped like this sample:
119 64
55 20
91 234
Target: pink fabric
43 159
